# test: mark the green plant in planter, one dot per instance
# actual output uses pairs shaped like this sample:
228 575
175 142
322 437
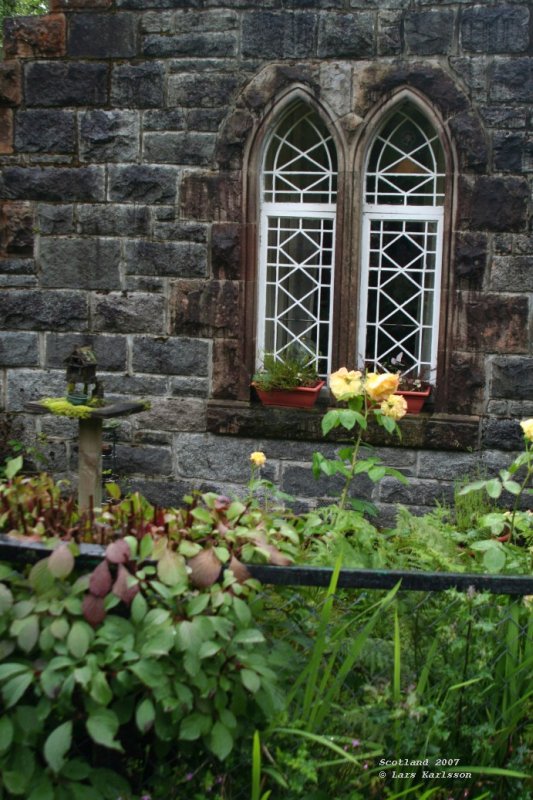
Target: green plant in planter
292 371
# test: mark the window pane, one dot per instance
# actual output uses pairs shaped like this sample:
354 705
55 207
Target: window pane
300 161
406 162
402 285
298 287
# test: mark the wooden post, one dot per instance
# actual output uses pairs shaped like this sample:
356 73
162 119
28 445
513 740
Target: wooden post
90 462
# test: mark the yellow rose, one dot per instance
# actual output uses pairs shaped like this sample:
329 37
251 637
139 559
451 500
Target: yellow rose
345 385
394 406
527 427
258 458
379 387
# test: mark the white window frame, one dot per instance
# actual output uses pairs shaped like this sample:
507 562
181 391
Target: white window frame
401 213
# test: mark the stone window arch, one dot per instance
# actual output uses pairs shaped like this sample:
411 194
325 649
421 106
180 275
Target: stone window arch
297 220
402 243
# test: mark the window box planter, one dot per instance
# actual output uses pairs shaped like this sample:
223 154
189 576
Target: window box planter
415 399
299 397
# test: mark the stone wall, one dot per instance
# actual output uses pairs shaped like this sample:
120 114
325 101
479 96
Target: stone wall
125 128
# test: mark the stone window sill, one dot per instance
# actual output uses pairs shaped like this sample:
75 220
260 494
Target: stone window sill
430 431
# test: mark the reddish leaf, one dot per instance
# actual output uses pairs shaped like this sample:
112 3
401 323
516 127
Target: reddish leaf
122 587
239 570
276 557
205 569
93 609
101 581
118 552
222 503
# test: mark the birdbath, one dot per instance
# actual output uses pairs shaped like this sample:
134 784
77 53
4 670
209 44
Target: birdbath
89 439
90 411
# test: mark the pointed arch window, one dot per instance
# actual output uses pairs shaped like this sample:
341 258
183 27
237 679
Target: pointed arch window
402 238
297 239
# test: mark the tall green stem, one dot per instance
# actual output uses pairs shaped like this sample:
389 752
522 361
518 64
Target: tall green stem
353 462
529 473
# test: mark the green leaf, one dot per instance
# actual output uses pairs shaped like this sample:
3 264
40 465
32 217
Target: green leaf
494 559
76 769
13 466
79 639
494 488
6 733
109 783
100 691
102 726
348 418
512 487
189 549
149 672
43 790
9 670
61 562
208 649
40 578
197 605
146 548
250 680
139 608
249 636
194 726
242 611
145 715
6 599
57 746
59 628
13 690
220 741
171 569
202 515
330 420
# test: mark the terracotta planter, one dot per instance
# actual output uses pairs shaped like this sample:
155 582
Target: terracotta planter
415 400
299 397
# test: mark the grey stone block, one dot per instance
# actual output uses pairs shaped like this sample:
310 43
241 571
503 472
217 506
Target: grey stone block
174 230
110 351
179 148
216 20
84 184
270 34
55 219
165 494
512 79
512 274
509 117
127 386
416 493
19 281
204 119
201 456
25 385
43 310
138 85
17 266
170 356
97 35
199 45
495 204
444 466
80 263
189 386
45 131
163 120
429 32
201 91
174 414
19 349
502 434
512 378
63 83
504 29
109 136
346 35
143 460
143 184
113 220
133 313
173 259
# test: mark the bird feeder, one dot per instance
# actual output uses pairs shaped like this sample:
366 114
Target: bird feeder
81 368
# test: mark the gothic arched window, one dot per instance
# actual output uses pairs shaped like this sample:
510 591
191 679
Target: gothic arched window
297 239
402 235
